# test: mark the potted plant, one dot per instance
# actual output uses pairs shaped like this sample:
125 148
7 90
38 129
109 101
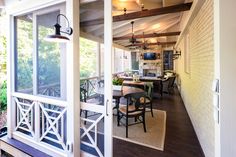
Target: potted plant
117 83
3 97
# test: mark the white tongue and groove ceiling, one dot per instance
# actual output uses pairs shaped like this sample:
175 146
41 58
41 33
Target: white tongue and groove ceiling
93 10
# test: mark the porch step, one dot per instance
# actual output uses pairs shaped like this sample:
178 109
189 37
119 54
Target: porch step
19 149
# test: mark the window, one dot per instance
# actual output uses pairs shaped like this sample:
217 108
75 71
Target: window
48 67
135 60
187 54
38 62
168 60
127 61
102 59
122 60
118 60
24 54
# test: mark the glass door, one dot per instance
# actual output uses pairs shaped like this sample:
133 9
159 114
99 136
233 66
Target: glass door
95 78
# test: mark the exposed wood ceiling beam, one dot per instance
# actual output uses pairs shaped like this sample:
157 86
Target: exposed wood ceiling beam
141 14
149 44
147 35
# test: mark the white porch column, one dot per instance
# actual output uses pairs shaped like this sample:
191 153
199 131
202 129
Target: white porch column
108 76
73 79
10 78
98 56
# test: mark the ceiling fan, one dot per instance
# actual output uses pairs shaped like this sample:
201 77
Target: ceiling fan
138 44
134 48
133 40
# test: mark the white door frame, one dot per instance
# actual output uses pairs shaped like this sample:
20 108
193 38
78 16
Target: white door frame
225 50
217 75
105 110
108 76
73 79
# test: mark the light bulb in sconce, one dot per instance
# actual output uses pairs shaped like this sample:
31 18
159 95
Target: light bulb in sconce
141 56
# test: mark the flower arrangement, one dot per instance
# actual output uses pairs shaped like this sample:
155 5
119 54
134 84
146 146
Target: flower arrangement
117 81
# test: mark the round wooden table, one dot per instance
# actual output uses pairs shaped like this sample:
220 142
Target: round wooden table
118 94
125 90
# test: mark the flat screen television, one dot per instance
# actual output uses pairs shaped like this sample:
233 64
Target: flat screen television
149 56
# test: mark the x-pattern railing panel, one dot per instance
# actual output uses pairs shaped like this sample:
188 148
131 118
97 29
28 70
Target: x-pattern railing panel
25 116
90 85
53 124
89 128
43 120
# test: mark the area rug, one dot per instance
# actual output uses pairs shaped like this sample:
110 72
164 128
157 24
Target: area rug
153 138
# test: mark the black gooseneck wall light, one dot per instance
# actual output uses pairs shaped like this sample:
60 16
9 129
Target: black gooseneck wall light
177 53
57 37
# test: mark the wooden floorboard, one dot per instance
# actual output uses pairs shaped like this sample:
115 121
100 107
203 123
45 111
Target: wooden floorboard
180 141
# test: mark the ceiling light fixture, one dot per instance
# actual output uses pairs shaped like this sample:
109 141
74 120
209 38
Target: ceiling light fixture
142 7
132 40
57 37
125 11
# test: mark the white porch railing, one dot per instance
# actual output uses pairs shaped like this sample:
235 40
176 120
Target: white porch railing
92 128
90 84
41 120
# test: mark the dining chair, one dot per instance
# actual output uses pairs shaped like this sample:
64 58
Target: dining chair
134 108
84 98
168 84
149 89
3 131
100 84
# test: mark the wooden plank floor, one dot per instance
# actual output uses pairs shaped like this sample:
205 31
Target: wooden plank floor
180 141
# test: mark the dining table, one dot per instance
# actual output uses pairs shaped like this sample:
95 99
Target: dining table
157 82
117 94
132 83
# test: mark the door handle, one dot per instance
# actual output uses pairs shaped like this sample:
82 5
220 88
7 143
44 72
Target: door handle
107 106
